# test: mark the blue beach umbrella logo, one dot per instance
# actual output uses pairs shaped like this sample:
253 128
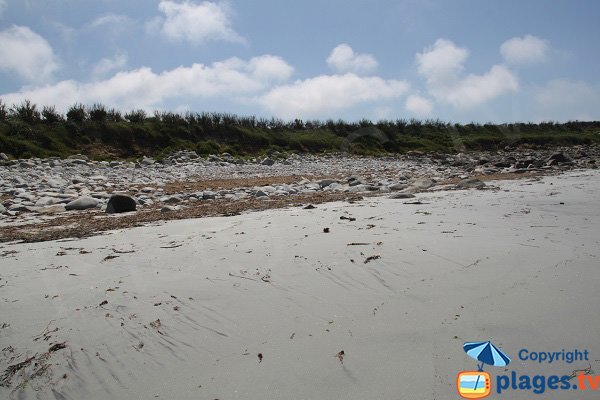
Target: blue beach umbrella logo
486 353
477 385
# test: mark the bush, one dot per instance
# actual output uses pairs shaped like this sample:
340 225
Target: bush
136 116
114 115
207 147
26 112
3 111
98 113
50 115
77 113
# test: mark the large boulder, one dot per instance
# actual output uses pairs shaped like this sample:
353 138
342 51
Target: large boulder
120 203
82 203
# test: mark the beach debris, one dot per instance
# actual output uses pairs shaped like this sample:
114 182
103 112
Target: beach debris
340 356
351 219
375 309
260 357
109 257
156 325
47 268
309 207
57 346
243 277
372 258
46 333
123 251
105 302
172 245
139 346
358 244
325 230
13 369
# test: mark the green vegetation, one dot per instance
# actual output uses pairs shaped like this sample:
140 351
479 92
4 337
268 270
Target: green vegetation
103 133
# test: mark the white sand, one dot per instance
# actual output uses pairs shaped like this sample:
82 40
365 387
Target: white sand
512 265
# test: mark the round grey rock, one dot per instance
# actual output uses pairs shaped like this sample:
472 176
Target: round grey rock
82 203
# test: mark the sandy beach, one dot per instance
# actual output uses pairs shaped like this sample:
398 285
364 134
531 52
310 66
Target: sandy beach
370 299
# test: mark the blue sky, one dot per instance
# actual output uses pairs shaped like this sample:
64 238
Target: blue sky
459 61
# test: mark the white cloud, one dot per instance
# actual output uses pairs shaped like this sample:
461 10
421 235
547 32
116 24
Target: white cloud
107 65
197 23
419 105
26 54
442 66
143 88
109 19
563 99
322 95
2 6
475 90
442 62
344 59
270 68
524 50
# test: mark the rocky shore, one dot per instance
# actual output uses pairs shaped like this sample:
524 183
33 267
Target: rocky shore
52 192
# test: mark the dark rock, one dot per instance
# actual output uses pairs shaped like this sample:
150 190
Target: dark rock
402 196
503 164
120 203
398 186
559 157
268 161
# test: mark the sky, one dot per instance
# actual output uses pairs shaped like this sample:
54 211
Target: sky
457 61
